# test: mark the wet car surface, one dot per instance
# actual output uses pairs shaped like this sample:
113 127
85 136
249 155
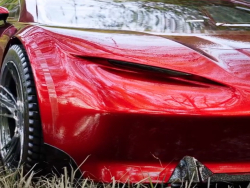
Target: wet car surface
138 88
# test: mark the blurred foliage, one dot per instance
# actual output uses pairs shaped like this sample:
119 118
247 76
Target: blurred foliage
13 7
9 4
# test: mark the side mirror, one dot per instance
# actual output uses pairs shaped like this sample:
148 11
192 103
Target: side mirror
4 13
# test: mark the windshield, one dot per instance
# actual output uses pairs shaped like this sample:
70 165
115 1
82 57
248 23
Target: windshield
161 16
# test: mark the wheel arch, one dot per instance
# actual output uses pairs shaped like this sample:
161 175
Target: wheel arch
18 40
50 151
12 41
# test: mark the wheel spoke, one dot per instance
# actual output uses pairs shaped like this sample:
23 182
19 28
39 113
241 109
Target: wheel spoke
9 94
9 116
8 101
11 147
4 102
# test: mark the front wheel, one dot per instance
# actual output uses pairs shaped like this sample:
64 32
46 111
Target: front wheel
21 140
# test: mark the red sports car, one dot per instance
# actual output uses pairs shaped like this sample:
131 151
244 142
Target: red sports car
131 90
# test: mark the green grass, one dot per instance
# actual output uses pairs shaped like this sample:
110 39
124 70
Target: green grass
17 179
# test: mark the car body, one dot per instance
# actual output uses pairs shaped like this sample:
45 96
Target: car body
133 101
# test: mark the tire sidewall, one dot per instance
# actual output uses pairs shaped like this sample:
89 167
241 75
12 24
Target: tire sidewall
13 56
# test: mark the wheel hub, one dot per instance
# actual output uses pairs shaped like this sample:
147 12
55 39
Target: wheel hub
11 118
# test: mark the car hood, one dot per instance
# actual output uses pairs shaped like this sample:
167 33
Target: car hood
221 57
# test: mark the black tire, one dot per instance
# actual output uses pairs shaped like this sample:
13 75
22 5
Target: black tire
21 138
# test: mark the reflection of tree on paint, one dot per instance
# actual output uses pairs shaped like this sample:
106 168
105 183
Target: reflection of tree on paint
151 15
13 7
228 14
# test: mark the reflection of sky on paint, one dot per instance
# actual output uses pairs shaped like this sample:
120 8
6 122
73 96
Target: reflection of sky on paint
141 15
136 16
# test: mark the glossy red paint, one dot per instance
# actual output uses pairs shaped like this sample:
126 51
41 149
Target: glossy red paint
28 11
4 10
4 13
134 130
131 124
